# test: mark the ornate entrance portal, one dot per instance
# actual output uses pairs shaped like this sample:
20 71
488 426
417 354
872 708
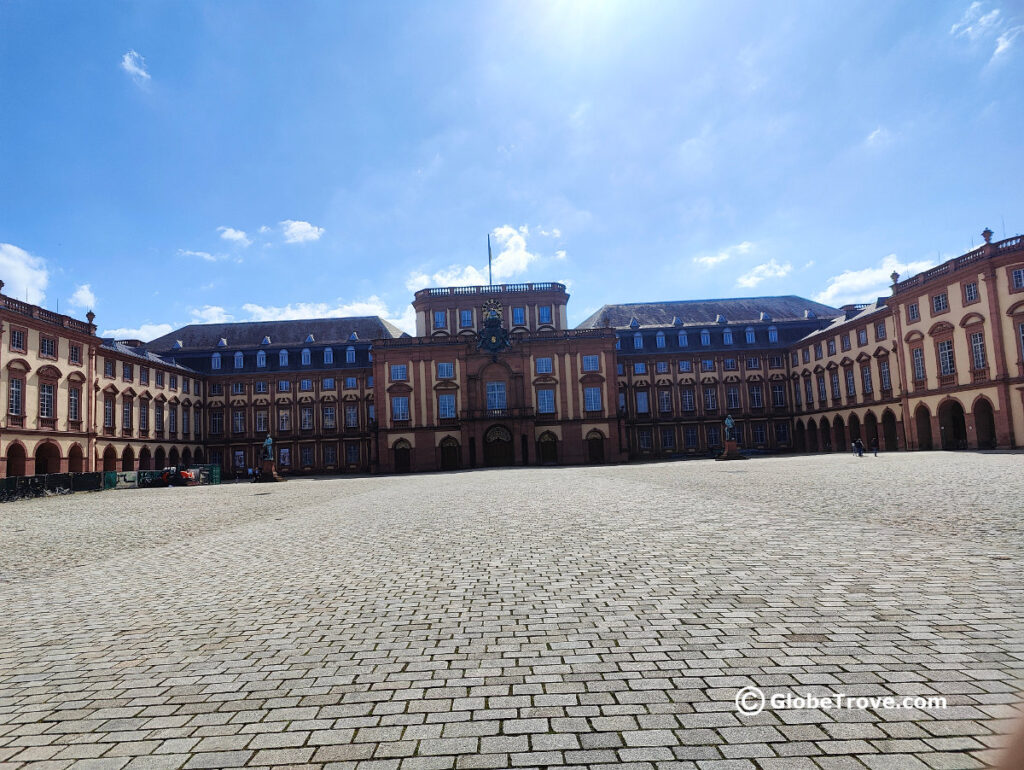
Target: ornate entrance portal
498 449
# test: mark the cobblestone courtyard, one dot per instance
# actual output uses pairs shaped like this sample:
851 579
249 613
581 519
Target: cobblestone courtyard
520 617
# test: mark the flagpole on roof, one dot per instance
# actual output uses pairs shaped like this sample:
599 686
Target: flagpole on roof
490 280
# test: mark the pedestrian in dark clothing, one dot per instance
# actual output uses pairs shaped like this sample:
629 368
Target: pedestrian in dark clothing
874 445
859 446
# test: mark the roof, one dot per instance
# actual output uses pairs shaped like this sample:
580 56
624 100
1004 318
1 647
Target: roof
707 311
251 334
851 314
133 352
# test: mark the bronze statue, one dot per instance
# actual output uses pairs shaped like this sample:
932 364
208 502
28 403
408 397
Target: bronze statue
730 428
268 448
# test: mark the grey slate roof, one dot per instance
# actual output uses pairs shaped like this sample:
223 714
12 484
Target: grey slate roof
109 343
705 311
851 317
250 334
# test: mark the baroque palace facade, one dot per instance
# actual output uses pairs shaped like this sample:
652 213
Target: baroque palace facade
495 376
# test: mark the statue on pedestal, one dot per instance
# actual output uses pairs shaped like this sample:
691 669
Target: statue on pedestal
730 428
268 448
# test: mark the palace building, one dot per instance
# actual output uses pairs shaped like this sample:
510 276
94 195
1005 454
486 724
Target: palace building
495 376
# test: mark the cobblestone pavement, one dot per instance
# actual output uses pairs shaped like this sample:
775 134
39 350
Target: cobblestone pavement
520 618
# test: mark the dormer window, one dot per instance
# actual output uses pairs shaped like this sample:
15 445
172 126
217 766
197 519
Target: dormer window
350 355
773 334
638 341
705 337
750 335
239 360
215 361
727 336
659 340
261 358
307 357
684 340
309 338
328 356
282 358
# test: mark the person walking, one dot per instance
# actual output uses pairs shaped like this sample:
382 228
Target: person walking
874 445
859 446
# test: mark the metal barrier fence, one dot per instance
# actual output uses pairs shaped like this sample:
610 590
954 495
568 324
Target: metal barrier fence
42 485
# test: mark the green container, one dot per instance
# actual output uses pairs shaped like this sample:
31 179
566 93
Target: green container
214 474
109 479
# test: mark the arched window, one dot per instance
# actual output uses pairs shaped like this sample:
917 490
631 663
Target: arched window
705 337
282 358
727 336
350 355
618 343
660 340
638 341
683 339
239 360
215 361
328 356
306 357
773 334
261 358
750 335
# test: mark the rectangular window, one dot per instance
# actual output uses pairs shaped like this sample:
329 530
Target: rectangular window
283 386
284 456
158 418
730 365
446 406
519 316
466 319
306 418
685 366
862 336
708 365
714 436
836 392
352 454
851 383
917 354
659 341
18 340
775 362
883 374
239 458
330 418
970 293
809 391
445 371
642 404
1018 278
756 397
643 438
844 341
880 331
622 402
689 401
75 404
159 379
732 397
75 355
143 415
796 396
328 383
238 421
46 400
978 350
544 312
760 435
690 437
284 419
710 399
108 413
350 383
591 363
126 415
821 388
544 365
794 358
817 351
496 395
261 422
261 386
668 438
440 319
807 355
592 399
947 365
399 373
238 388
778 395
172 420
865 375
108 368
399 407
639 367
126 372
754 363
546 401
912 312
330 454
940 303
47 347
782 432
306 384
306 455
661 367
832 346
664 401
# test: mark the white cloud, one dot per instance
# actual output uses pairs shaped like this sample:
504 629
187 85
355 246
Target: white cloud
300 232
145 332
25 277
83 297
236 236
264 229
710 260
770 269
373 305
135 65
211 314
511 258
201 254
854 286
1005 41
880 137
975 22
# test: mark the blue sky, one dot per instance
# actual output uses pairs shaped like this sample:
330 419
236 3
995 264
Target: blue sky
170 162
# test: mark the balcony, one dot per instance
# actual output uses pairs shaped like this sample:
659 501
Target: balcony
47 423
